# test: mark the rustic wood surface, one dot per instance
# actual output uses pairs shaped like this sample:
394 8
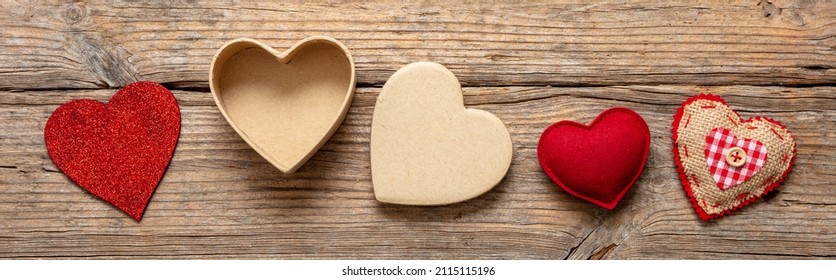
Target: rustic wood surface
531 65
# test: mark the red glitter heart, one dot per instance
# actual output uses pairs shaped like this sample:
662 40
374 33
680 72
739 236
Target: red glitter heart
599 162
117 151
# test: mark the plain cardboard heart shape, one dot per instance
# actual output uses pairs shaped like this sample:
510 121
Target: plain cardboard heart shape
694 125
426 147
117 151
599 162
284 105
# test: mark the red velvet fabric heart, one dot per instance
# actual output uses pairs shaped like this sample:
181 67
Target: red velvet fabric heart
117 151
600 162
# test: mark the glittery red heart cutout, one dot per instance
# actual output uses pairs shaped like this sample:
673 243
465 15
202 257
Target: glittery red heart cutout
599 162
117 151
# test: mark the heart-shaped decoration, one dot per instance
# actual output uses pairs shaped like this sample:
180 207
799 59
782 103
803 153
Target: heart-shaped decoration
725 162
117 151
284 105
426 147
599 162
731 160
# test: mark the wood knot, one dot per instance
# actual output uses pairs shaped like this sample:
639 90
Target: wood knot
768 9
73 13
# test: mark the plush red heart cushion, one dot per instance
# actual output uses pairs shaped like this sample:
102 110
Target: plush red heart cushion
117 151
600 162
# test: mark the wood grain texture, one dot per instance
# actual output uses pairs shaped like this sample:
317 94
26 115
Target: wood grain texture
219 199
531 65
91 45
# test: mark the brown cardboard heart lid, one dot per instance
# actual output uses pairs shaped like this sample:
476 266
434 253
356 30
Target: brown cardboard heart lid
426 147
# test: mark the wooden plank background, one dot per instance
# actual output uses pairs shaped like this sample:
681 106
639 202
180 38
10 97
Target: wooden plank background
530 64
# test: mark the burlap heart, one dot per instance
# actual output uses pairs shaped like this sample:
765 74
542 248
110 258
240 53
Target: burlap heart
695 123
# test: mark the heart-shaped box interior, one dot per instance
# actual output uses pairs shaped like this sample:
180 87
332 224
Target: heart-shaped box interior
285 105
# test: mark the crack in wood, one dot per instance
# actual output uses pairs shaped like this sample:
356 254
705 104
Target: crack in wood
51 170
816 67
574 248
603 252
800 202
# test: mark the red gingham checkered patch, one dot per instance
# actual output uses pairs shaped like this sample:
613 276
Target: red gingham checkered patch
717 144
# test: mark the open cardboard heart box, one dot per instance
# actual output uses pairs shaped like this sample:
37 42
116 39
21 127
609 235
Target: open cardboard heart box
285 105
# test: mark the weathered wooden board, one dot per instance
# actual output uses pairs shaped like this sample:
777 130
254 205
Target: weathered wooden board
219 199
94 45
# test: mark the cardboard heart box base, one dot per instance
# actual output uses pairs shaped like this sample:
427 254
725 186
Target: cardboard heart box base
284 105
